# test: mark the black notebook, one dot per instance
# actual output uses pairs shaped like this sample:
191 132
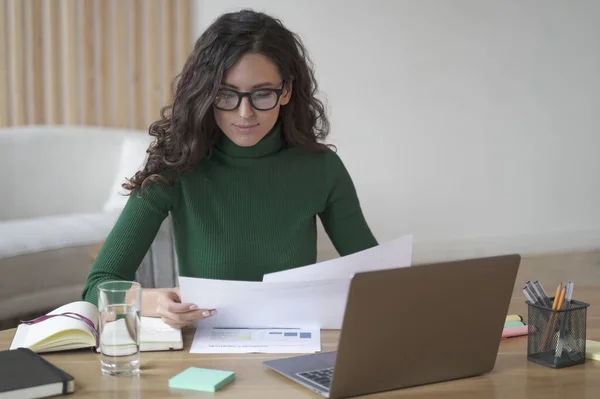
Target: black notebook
25 374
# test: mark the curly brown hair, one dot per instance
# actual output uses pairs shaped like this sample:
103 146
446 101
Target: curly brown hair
187 131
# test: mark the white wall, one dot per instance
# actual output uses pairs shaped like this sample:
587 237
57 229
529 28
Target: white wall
474 124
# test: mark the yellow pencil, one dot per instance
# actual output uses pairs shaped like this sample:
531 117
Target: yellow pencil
558 290
561 299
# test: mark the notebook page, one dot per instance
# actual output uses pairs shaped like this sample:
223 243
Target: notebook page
47 328
81 307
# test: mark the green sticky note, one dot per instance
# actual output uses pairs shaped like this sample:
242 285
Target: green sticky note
513 324
200 379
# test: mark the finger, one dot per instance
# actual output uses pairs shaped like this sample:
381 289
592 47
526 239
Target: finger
208 312
173 323
174 307
176 323
187 318
174 295
166 302
170 319
108 317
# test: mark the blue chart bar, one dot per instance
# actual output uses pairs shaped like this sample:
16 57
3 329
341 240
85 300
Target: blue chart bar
305 335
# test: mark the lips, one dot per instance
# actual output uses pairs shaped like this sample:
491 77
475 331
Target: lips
244 128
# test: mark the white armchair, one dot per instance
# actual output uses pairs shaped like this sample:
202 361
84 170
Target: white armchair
58 197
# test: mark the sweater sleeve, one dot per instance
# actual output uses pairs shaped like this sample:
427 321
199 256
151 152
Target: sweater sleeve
342 217
131 237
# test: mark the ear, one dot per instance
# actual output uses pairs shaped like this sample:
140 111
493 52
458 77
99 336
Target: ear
287 93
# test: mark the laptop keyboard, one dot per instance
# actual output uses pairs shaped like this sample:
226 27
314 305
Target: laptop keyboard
320 377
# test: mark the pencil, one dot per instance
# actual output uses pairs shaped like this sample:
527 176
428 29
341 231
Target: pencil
561 300
558 291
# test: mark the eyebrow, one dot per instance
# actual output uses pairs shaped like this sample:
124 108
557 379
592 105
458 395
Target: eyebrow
256 86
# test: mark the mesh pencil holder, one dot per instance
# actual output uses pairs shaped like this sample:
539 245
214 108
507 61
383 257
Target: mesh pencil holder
556 338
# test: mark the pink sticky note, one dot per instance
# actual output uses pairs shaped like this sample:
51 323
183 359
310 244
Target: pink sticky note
514 331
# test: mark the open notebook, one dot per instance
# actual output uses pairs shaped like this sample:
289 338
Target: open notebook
64 333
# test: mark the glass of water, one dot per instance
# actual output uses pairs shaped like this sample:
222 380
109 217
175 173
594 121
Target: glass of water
119 303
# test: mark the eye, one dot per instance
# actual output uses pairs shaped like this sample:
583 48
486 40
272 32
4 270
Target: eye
262 94
225 94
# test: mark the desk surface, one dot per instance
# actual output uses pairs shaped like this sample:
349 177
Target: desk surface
512 377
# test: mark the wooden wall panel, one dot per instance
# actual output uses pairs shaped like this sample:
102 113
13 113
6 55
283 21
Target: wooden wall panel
120 63
167 48
4 112
52 78
70 104
90 62
184 27
151 51
89 56
35 94
16 61
138 79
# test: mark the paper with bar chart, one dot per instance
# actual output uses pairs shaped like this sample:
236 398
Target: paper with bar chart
257 340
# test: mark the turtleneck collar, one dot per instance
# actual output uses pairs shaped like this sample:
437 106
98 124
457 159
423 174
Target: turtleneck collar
269 144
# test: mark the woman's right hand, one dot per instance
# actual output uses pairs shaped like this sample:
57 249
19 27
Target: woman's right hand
176 314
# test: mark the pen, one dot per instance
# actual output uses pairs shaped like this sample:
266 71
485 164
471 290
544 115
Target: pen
563 319
528 295
533 294
569 294
542 293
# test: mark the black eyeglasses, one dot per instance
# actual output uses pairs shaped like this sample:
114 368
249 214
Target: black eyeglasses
260 99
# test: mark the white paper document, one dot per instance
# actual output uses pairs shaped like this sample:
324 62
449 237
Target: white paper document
314 295
388 255
257 340
244 304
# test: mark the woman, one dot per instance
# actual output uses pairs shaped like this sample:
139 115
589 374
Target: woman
238 164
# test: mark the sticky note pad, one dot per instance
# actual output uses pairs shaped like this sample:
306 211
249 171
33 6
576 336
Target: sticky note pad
513 324
200 379
513 317
592 349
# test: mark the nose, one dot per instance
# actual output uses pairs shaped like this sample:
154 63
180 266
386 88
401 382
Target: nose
245 110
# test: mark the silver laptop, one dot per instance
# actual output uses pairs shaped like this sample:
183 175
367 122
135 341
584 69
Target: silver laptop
413 326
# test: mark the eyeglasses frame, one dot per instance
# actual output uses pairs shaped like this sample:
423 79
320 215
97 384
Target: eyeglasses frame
242 94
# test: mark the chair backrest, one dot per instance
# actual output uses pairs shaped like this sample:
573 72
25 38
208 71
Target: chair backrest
159 268
51 170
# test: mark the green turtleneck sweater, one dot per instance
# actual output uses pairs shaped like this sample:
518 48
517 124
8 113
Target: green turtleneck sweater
241 213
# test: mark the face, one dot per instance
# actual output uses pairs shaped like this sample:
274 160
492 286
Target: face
246 125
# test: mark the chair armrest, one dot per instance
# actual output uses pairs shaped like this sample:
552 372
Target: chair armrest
23 236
